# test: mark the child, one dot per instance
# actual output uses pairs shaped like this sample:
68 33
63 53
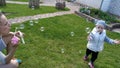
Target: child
96 41
8 41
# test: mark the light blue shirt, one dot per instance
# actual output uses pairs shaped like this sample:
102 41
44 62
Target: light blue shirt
2 46
96 43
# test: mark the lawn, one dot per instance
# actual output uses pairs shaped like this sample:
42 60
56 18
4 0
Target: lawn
43 48
21 0
17 10
25 0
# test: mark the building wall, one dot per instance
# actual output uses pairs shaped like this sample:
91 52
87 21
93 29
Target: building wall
92 3
105 5
115 7
112 6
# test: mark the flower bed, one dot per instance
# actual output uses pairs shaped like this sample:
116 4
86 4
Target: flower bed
98 14
93 14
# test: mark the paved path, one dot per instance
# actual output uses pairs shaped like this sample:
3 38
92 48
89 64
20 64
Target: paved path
116 30
71 6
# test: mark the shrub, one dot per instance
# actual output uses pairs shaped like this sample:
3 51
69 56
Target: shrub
96 13
103 15
85 10
68 0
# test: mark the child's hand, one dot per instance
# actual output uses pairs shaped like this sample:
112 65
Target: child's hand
89 38
117 41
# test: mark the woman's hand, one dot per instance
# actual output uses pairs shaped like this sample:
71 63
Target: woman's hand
15 40
19 34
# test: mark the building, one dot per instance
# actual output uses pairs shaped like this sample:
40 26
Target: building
111 6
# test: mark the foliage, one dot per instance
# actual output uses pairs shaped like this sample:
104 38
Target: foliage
103 15
85 10
68 0
21 0
99 14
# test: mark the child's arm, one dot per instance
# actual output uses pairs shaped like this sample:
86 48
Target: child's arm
90 37
111 41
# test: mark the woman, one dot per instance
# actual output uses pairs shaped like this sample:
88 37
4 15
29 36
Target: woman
8 41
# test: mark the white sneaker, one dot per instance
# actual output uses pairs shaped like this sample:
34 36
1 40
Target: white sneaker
91 65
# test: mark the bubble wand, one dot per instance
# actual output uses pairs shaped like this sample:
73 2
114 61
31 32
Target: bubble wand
15 39
21 36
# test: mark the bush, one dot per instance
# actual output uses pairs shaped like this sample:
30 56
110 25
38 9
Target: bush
99 15
85 10
102 15
68 0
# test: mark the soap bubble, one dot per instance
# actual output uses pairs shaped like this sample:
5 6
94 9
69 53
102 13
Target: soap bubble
42 28
36 20
31 23
0 10
72 33
33 7
62 50
80 51
87 20
88 30
22 26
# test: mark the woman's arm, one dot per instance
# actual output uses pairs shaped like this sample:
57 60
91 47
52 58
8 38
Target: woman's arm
10 47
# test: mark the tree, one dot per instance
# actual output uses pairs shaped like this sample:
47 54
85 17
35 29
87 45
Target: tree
60 4
2 3
34 3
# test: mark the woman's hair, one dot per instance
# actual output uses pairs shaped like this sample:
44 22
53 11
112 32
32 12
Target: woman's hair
0 16
0 20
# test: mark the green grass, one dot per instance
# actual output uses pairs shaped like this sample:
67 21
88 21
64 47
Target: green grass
24 0
43 49
17 10
21 0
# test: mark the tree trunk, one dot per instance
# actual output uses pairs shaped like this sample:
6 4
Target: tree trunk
60 4
34 3
2 3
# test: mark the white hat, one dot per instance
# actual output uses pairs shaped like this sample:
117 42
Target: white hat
101 22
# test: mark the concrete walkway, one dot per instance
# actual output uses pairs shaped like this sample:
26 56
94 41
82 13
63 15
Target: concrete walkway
71 6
